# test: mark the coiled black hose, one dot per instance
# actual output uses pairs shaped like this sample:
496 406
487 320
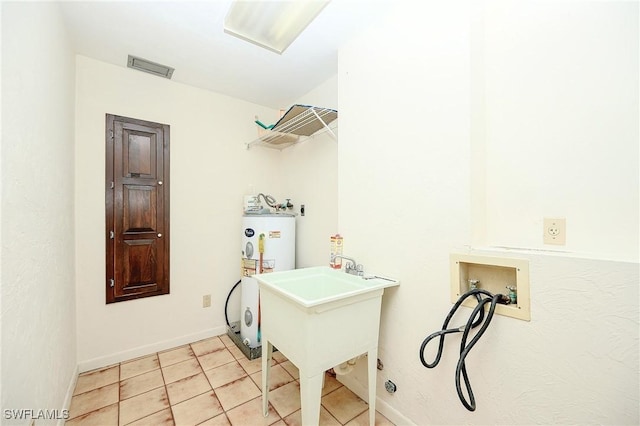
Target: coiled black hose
475 319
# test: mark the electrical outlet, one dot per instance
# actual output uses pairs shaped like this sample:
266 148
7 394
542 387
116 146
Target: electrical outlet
555 231
206 301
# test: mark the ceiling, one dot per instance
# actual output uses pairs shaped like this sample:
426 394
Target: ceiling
189 36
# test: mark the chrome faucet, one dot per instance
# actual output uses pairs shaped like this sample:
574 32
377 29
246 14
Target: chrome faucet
350 267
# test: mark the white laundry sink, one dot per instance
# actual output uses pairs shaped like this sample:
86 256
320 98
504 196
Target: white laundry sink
311 287
319 318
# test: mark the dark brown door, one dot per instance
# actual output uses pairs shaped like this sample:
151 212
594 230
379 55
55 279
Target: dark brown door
137 208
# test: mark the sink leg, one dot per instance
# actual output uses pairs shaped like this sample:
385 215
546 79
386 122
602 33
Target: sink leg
310 394
267 350
372 358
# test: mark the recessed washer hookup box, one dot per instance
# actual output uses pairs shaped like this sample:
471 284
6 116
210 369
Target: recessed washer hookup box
498 275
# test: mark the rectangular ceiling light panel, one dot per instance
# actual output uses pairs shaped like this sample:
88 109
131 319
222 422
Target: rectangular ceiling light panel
150 67
273 25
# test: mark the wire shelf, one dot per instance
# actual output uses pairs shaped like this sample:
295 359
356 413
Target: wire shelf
297 124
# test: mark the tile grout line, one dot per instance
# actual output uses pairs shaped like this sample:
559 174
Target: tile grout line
157 355
203 371
91 390
224 412
246 374
173 419
133 396
327 409
207 378
119 389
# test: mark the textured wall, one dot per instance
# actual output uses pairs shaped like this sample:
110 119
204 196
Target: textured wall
561 124
426 167
38 282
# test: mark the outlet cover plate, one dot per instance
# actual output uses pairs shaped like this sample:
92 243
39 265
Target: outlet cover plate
206 301
555 230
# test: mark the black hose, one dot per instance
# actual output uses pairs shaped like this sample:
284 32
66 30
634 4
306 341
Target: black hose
226 304
475 319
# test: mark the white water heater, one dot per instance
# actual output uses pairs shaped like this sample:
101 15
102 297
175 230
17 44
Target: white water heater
268 245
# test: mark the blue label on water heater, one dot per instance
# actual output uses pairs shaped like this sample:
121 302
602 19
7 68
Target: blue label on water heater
249 232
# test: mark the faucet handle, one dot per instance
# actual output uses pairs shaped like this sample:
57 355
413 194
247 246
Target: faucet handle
352 268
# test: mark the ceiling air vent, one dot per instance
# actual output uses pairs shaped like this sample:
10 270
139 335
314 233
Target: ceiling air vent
150 67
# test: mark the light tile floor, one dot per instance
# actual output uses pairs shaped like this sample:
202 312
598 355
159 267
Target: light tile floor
209 382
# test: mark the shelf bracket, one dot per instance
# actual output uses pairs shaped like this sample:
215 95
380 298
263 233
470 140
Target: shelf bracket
326 126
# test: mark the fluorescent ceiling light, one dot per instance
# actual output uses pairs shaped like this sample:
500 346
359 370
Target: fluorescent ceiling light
273 25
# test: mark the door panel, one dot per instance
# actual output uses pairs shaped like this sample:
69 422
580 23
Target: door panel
139 209
140 267
137 203
139 154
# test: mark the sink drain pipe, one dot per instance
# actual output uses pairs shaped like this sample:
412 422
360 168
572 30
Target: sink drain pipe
477 318
347 367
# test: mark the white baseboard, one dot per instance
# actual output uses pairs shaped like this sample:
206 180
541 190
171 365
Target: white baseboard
396 417
139 351
67 398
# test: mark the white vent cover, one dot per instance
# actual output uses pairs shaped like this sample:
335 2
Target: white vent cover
150 67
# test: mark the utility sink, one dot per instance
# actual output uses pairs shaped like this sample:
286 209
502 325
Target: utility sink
319 285
319 318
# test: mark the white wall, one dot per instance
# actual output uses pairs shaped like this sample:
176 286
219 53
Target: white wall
310 177
562 124
210 172
430 163
37 251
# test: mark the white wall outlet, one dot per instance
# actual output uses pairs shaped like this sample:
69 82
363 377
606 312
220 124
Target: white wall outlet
206 301
555 230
